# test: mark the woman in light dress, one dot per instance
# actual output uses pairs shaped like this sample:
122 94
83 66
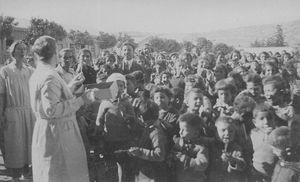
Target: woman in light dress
58 153
16 117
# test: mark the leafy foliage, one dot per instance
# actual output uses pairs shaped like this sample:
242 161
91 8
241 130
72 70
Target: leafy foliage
277 40
39 27
80 38
204 44
187 46
223 48
105 40
167 45
6 27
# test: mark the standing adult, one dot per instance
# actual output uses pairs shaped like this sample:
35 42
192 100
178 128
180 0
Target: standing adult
57 149
64 66
129 63
85 65
17 119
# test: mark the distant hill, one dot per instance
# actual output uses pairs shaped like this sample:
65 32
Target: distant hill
238 37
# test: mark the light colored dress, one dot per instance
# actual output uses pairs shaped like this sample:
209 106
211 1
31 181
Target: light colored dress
58 153
14 84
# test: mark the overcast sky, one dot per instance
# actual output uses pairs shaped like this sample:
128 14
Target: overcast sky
157 16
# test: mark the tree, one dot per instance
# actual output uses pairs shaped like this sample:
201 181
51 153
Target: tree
7 24
157 43
80 38
277 40
203 44
167 45
39 27
188 46
105 40
171 45
224 48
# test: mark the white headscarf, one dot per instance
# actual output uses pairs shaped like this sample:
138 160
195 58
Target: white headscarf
116 76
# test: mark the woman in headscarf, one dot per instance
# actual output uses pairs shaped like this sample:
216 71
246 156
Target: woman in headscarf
17 119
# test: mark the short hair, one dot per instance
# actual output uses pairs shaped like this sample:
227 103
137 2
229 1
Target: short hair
44 47
280 137
148 109
82 51
222 67
262 107
13 47
192 120
129 43
243 104
236 52
63 51
163 90
194 90
253 78
178 92
224 84
272 64
275 80
196 80
224 119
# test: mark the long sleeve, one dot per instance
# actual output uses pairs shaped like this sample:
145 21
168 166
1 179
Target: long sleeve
200 163
158 152
51 94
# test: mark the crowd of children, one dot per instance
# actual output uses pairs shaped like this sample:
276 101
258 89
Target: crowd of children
191 117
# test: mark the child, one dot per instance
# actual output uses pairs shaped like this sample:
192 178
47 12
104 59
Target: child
270 68
165 79
167 114
227 162
114 120
254 87
287 168
263 158
276 96
224 101
190 159
198 104
150 151
194 100
243 107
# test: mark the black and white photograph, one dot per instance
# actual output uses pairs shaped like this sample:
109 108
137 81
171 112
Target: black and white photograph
149 90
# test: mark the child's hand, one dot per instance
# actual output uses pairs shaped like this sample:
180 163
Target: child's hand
134 151
225 157
181 157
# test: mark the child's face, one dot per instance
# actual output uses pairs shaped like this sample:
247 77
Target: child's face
225 96
121 86
264 121
187 132
219 74
203 63
194 102
254 89
164 78
269 70
161 100
226 132
272 94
